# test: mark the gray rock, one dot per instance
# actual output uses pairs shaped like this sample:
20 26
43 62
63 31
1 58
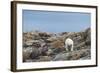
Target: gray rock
43 49
35 53
74 55
26 53
61 57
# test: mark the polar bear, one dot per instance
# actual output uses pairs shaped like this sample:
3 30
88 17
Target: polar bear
69 44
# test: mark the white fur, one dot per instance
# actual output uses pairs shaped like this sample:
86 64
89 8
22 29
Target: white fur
68 42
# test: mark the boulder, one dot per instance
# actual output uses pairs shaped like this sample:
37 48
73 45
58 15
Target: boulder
26 53
35 53
74 55
60 57
43 49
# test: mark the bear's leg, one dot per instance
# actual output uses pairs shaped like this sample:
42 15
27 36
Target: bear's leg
72 48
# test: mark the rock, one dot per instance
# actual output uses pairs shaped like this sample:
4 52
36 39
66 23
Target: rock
75 55
29 60
57 44
85 52
45 58
44 35
86 57
58 50
51 39
29 43
61 57
26 53
35 53
49 52
43 49
63 33
28 36
37 44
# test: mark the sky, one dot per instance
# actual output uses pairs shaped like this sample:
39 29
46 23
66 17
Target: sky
52 21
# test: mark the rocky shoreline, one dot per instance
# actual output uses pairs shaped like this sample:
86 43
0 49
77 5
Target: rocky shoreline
44 46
